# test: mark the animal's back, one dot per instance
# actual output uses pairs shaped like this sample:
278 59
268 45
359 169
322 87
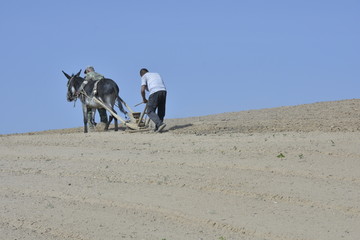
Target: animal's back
108 85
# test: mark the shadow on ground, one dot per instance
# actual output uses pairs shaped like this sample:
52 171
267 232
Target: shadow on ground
176 127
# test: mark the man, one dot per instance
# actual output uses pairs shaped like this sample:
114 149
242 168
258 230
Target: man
91 75
153 83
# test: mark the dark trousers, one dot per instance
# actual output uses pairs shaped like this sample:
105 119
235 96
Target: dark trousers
157 101
102 114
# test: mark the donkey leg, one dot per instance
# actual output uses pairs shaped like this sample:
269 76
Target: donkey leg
108 123
85 127
115 120
116 124
103 115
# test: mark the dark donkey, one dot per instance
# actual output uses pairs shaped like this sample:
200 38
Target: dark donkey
106 90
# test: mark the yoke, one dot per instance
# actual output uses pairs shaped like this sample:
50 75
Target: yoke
137 121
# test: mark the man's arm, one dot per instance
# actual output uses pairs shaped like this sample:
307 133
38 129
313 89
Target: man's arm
143 89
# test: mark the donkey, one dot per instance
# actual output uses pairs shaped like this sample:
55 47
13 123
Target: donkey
106 90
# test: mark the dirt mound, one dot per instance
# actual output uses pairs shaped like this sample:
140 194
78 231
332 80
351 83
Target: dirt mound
323 116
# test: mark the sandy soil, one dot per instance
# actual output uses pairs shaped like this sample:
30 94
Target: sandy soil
290 173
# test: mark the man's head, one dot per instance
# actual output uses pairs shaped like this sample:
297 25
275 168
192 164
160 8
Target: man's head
143 71
89 69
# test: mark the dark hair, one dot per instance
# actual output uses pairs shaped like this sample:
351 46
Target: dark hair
143 71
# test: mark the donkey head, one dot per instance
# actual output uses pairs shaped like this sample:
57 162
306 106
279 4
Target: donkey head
73 84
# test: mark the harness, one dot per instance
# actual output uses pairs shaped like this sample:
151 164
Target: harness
82 92
94 90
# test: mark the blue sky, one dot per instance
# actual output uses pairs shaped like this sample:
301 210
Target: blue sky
215 56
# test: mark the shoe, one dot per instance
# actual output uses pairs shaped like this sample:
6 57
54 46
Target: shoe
161 127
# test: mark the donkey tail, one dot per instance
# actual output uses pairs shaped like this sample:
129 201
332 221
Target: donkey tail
120 103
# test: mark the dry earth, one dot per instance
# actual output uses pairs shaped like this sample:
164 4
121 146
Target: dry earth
289 173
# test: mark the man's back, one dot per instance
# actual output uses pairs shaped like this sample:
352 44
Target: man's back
93 76
153 81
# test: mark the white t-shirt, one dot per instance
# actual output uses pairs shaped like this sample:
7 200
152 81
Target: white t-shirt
153 81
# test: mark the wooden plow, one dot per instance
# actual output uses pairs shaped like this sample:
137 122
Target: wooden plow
137 120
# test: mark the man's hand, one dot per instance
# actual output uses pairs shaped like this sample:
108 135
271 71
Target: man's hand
145 100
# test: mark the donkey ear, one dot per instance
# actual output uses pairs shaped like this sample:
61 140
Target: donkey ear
78 74
66 75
